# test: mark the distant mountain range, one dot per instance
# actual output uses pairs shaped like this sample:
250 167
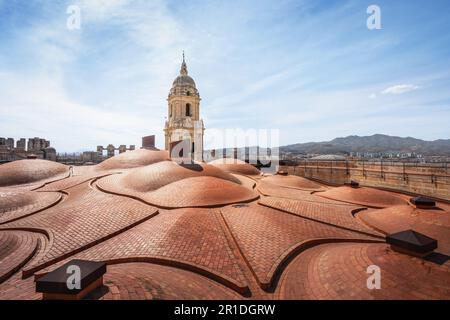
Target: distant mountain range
374 144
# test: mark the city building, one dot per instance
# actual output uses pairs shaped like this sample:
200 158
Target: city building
90 156
37 144
111 150
148 142
36 147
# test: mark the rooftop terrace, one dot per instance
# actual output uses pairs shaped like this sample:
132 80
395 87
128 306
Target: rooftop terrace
212 231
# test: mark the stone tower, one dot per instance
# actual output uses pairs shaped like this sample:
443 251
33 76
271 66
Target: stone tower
183 117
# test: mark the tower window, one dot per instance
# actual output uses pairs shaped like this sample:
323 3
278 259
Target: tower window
188 110
170 110
188 93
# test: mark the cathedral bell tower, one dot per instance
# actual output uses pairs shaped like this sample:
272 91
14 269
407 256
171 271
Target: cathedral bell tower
184 128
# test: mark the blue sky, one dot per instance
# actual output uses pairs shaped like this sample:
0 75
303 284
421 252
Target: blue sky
311 69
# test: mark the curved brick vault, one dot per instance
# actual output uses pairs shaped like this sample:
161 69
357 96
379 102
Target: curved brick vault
143 281
294 182
31 171
17 248
16 203
339 271
190 239
133 159
364 196
268 237
86 217
434 223
235 166
153 177
254 237
170 185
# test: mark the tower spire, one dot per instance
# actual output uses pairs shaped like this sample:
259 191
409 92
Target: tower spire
183 70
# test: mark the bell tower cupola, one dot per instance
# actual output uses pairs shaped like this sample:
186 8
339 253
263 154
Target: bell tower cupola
183 115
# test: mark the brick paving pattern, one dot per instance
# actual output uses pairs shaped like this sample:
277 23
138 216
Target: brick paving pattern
249 183
220 231
267 236
340 216
236 166
15 204
16 288
294 182
70 182
433 223
339 271
17 247
272 190
196 191
86 217
144 281
363 196
182 237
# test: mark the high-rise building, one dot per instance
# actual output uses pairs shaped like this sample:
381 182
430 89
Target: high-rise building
10 143
37 144
21 144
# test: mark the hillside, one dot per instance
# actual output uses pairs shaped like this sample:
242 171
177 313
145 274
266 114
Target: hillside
375 143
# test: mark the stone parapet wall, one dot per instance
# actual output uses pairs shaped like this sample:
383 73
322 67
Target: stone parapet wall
427 179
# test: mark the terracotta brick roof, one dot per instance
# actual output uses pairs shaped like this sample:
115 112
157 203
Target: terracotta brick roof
211 231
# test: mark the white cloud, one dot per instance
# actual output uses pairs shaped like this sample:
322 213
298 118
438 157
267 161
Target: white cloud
100 10
42 101
107 83
400 88
54 116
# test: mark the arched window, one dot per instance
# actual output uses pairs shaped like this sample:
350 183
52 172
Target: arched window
188 110
188 93
170 110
